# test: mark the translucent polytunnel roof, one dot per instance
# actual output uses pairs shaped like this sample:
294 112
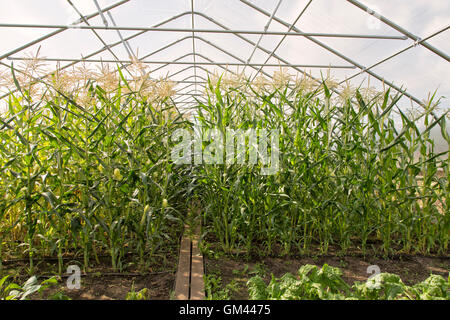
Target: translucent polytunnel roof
402 44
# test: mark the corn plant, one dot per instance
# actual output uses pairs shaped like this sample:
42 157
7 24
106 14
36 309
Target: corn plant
89 174
349 173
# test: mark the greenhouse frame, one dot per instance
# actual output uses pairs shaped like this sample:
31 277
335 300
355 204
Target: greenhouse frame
216 150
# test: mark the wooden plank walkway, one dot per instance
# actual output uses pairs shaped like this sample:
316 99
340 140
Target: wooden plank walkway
189 283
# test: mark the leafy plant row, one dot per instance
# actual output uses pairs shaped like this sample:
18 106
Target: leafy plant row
326 283
353 172
86 179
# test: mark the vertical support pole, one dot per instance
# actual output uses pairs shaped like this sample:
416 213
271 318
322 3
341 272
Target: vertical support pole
193 42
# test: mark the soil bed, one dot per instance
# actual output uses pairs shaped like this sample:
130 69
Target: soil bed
101 287
100 281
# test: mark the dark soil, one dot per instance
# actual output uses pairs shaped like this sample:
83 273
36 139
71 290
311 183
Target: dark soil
99 281
103 287
236 272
